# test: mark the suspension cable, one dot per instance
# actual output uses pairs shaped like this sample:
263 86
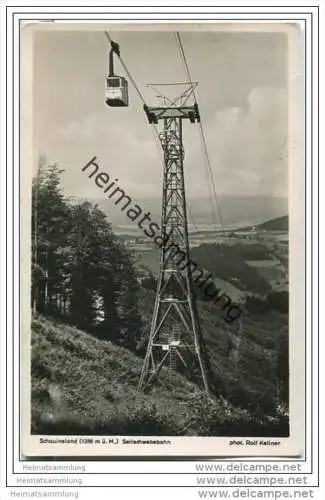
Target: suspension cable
187 71
154 129
188 75
127 71
203 139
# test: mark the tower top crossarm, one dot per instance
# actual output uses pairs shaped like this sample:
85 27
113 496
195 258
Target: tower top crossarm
159 113
174 108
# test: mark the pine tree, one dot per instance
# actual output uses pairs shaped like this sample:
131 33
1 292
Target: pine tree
81 271
49 223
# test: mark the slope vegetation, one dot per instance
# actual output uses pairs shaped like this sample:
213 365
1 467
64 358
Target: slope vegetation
82 385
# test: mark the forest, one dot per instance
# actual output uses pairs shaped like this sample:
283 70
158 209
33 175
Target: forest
91 312
81 272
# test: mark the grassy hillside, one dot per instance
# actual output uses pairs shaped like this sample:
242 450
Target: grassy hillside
82 385
245 357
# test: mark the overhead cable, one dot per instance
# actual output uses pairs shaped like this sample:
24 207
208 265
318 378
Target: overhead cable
203 139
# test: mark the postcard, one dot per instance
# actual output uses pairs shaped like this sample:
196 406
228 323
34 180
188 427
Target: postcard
162 249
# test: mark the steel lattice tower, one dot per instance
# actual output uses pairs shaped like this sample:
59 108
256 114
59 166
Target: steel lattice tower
175 338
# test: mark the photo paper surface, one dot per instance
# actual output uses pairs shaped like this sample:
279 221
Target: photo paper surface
161 206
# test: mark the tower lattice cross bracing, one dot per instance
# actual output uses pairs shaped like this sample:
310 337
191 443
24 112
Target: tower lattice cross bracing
175 339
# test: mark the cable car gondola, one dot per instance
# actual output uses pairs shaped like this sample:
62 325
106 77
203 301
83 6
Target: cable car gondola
116 87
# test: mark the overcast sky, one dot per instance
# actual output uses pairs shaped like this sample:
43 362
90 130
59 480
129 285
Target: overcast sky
242 95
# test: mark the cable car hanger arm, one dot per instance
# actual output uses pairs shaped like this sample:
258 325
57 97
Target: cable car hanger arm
115 48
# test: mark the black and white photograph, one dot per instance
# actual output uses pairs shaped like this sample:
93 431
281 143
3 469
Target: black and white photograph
161 214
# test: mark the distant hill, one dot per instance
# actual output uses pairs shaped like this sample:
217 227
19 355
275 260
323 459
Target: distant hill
278 224
236 210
